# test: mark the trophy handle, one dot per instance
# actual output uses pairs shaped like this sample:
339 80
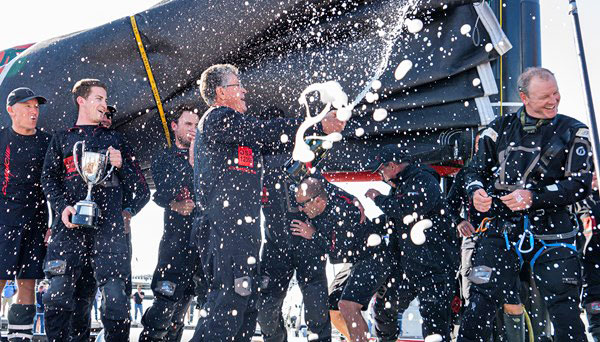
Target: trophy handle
112 167
76 160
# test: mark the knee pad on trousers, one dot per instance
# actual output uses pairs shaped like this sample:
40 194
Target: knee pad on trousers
60 294
20 322
116 301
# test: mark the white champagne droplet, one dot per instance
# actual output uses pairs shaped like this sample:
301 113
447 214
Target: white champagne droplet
414 25
376 85
380 114
402 69
373 240
434 338
465 29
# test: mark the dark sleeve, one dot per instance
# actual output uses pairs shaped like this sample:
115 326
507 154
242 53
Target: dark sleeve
230 127
53 174
322 239
136 191
422 197
456 197
576 184
481 166
166 180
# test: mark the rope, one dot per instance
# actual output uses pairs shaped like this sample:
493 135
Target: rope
529 325
161 111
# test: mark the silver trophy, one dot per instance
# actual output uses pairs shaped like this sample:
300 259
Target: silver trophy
93 170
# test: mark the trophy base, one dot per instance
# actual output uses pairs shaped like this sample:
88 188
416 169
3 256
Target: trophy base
86 214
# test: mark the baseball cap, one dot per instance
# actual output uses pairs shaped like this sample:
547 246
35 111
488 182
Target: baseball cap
388 153
23 94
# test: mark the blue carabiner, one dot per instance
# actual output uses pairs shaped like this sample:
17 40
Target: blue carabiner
526 232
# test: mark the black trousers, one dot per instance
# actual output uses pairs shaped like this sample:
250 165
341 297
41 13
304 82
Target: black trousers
278 266
557 274
229 313
591 289
71 260
173 293
435 293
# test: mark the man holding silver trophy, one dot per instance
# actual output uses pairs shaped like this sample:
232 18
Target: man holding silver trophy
85 178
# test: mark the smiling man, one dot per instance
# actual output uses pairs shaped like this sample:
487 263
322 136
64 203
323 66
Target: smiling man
530 167
23 209
229 149
76 252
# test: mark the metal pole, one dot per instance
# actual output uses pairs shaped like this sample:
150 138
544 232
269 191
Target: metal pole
586 82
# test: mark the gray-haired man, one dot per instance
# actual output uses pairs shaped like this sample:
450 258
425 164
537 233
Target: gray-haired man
227 181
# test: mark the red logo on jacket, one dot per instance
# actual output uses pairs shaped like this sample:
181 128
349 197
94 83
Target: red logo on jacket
69 164
7 173
245 156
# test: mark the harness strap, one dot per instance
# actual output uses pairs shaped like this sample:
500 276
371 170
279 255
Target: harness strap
548 247
561 236
545 246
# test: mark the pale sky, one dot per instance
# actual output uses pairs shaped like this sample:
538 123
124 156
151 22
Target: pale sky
29 21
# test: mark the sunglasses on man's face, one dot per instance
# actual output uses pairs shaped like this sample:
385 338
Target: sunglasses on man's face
303 205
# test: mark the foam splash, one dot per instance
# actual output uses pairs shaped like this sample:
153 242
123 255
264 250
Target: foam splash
331 94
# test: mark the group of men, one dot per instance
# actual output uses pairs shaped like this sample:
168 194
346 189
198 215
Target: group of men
513 203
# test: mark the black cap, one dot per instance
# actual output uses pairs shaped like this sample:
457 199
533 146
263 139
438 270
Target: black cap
21 95
388 153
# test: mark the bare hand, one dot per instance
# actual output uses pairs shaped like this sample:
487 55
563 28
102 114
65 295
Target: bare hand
126 221
47 236
115 157
363 217
517 200
191 150
184 207
304 229
66 214
481 201
331 124
465 228
372 194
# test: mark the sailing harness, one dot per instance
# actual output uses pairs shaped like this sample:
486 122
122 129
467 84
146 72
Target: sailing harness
526 242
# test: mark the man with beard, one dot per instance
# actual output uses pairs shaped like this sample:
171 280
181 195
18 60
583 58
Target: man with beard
178 261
